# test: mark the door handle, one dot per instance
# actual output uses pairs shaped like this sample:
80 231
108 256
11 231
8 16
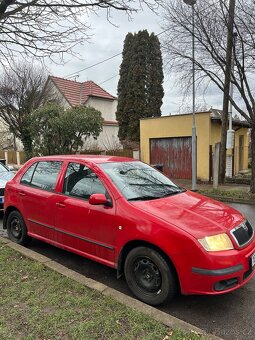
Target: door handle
21 193
60 205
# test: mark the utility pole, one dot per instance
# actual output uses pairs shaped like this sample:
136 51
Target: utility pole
231 133
194 134
224 126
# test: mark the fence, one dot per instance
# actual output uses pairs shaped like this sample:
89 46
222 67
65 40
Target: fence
18 157
13 157
121 153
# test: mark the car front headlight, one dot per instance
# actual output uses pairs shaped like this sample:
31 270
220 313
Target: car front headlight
216 243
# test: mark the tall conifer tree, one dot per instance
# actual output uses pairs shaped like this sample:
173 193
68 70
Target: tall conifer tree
140 90
121 115
156 77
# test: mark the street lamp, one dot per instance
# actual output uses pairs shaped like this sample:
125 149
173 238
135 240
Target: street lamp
194 137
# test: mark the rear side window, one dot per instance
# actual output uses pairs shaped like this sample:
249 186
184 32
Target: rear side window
27 177
42 175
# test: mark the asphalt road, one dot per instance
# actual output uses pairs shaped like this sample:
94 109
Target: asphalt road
230 316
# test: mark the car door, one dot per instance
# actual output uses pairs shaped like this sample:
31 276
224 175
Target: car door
36 194
81 227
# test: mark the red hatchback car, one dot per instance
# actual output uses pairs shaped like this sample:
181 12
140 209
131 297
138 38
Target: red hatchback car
129 216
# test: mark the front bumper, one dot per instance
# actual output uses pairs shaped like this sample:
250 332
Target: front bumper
225 271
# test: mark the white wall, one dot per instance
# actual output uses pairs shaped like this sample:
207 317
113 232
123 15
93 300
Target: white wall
107 140
105 106
7 139
55 93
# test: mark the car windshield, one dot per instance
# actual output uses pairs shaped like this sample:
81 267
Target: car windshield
3 168
139 181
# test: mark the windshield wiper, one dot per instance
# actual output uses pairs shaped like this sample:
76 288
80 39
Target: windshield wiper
154 185
171 193
147 197
143 198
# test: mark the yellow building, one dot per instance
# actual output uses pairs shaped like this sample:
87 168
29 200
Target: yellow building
166 140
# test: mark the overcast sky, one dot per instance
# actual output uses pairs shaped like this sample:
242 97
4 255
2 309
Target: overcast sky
106 41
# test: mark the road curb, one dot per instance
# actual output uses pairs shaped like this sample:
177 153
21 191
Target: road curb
164 318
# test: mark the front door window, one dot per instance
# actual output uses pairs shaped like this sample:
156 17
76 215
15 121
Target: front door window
81 182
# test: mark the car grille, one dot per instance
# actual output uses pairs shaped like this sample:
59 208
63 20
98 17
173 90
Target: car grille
1 191
243 233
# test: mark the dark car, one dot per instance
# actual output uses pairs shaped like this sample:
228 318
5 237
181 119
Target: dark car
5 175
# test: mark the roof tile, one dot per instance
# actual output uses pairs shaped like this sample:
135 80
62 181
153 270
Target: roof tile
76 92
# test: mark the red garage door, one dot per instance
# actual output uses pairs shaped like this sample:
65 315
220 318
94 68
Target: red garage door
174 154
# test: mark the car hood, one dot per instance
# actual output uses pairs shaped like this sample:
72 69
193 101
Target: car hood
198 215
5 177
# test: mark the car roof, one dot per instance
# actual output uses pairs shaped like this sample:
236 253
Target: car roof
90 158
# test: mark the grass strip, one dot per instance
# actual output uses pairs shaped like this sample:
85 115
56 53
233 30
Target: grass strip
38 303
235 194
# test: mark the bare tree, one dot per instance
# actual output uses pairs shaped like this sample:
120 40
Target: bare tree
45 27
211 27
22 90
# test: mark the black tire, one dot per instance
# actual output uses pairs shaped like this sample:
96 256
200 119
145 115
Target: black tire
16 228
150 278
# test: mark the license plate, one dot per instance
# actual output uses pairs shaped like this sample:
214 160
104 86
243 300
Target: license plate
1 199
253 260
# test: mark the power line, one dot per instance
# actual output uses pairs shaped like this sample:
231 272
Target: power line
108 79
103 61
118 74
163 32
86 68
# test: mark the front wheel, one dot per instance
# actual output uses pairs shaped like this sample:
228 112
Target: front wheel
149 276
16 228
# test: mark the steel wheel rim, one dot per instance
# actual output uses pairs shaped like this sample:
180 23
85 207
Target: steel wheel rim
147 275
16 228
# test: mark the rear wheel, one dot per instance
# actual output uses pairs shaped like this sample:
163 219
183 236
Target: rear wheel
16 228
149 276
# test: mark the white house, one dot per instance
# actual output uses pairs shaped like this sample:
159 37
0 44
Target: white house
71 93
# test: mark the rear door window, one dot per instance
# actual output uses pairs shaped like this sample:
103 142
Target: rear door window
42 175
27 177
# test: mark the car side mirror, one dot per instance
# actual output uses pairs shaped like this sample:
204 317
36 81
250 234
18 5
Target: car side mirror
99 199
